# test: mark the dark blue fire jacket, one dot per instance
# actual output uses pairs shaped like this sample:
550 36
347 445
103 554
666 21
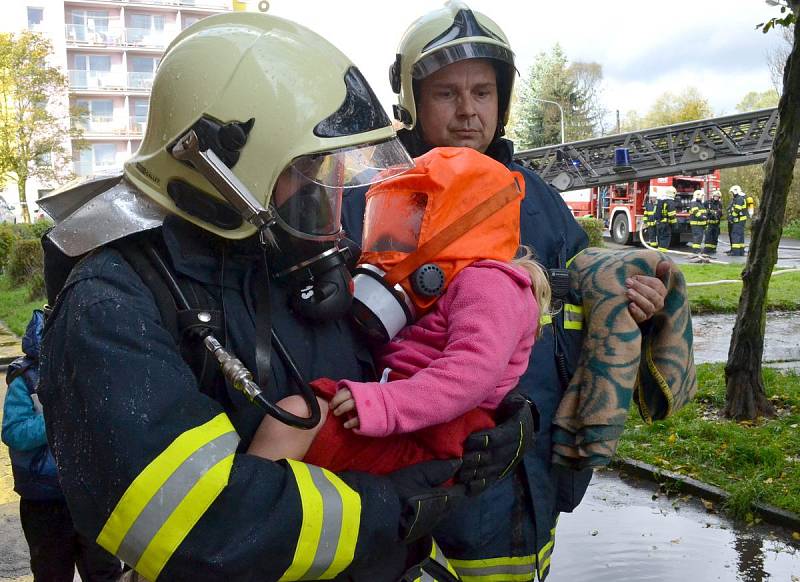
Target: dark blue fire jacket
153 469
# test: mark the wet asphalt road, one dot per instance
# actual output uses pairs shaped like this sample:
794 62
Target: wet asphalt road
627 530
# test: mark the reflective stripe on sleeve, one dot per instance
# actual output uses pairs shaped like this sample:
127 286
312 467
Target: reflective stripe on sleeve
546 553
329 530
165 501
573 316
545 319
517 569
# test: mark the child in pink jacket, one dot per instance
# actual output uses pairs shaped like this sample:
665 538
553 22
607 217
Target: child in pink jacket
449 370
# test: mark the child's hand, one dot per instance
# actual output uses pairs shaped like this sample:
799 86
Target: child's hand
342 403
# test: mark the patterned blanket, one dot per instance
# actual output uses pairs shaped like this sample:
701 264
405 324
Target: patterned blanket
620 361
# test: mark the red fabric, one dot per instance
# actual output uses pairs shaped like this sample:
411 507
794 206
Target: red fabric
340 449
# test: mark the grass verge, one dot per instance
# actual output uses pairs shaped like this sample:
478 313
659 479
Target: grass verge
724 298
753 461
792 230
16 306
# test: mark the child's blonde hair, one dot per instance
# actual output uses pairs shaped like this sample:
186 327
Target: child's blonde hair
540 284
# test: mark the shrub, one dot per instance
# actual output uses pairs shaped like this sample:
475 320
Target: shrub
6 242
32 231
594 229
38 290
27 260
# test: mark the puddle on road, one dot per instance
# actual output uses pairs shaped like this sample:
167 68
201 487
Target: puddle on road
620 534
712 337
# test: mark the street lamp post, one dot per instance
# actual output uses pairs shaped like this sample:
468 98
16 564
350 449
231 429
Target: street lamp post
560 110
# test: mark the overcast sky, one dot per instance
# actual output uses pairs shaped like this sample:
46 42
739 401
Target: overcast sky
645 47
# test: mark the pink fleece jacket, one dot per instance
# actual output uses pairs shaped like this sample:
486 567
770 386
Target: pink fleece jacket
468 352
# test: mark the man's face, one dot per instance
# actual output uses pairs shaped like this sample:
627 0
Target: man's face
458 105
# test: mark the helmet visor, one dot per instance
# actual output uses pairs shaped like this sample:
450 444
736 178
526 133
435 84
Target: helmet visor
308 193
392 221
432 62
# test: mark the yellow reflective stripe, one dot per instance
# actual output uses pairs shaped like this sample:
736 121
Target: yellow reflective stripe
331 519
184 518
573 316
148 483
351 524
545 319
512 569
546 553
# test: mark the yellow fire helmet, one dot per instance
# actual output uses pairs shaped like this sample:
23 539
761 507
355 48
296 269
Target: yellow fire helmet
698 194
442 37
735 190
282 110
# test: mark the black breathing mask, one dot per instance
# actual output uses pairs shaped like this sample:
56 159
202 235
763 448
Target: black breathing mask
317 272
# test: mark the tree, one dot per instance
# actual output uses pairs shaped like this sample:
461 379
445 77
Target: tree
668 109
574 87
751 178
32 138
745 394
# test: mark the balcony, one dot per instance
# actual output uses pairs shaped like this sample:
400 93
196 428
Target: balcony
147 38
82 35
98 80
84 168
137 125
199 4
79 35
140 81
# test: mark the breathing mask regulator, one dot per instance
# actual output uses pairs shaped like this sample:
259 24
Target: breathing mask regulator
421 228
299 231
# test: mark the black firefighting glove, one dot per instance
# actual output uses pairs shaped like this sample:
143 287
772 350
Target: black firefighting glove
490 455
423 501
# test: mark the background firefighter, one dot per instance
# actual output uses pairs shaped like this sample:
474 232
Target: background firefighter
737 218
697 220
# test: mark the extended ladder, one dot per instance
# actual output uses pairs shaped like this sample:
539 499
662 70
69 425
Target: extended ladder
692 148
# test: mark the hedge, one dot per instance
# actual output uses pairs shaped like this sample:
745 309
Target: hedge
594 230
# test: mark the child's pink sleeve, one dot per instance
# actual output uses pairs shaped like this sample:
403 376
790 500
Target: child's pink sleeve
489 314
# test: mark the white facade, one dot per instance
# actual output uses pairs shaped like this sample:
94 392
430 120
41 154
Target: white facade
109 49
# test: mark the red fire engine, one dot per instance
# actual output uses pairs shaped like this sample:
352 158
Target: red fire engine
621 205
610 177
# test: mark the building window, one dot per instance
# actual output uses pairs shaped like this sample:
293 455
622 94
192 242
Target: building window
105 155
188 20
35 16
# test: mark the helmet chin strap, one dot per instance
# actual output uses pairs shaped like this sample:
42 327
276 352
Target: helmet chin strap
187 149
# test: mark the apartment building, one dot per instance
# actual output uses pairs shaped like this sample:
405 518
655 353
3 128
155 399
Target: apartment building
110 50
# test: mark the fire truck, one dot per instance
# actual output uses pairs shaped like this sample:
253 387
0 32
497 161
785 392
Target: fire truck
621 205
609 177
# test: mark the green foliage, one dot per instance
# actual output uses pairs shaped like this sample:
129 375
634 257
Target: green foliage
37 290
572 86
32 231
6 243
753 461
786 20
594 230
32 137
15 305
27 260
792 229
754 101
668 109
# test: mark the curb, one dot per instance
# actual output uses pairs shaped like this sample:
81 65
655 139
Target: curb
768 513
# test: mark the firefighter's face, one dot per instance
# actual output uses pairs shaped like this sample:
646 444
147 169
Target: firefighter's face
458 105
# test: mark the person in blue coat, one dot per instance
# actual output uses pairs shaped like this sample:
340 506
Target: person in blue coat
56 549
454 72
